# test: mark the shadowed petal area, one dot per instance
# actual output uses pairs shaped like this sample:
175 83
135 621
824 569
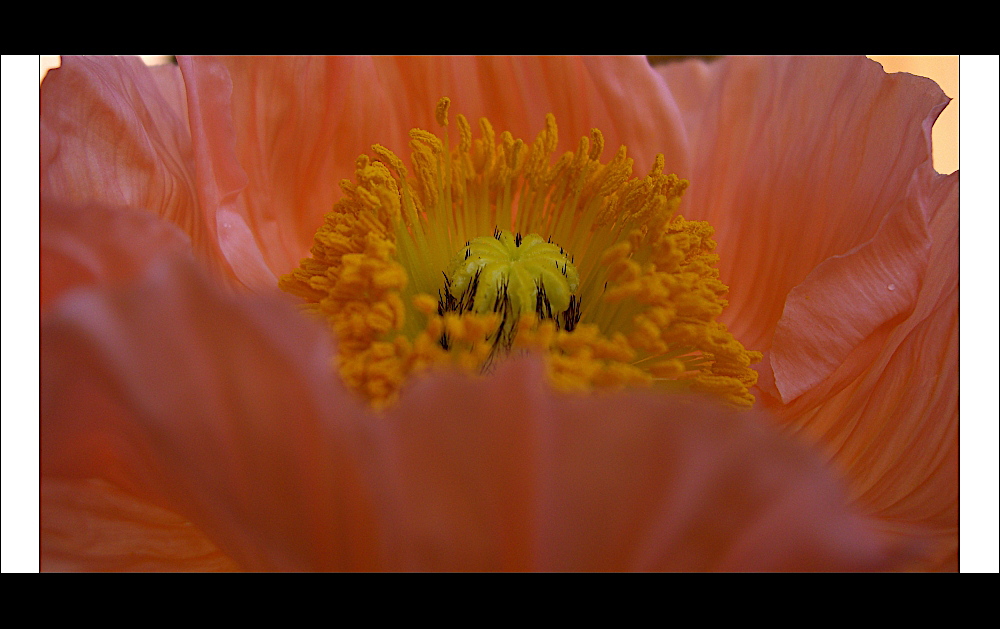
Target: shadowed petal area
796 160
91 244
503 474
112 131
90 526
222 180
223 410
213 407
297 124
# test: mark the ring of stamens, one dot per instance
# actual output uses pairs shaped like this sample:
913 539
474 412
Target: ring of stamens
635 304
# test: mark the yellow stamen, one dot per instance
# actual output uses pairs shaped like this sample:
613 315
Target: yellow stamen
419 267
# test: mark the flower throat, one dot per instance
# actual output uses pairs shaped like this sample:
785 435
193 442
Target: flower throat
448 265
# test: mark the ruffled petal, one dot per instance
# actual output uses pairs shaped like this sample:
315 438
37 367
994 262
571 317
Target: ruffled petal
690 84
112 133
503 474
86 244
889 414
216 408
796 160
221 178
846 298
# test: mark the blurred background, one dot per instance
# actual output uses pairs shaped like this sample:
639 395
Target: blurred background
943 69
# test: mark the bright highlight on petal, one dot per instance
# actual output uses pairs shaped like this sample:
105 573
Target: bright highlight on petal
431 267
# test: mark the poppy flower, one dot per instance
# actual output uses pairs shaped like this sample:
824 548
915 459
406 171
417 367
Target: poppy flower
192 418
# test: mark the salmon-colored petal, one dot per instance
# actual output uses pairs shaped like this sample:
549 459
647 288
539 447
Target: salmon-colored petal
275 135
223 411
504 474
171 84
91 244
690 83
91 526
846 298
642 114
221 178
796 160
889 415
111 133
621 96
217 408
299 123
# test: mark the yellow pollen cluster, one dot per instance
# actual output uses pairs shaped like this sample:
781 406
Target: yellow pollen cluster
429 267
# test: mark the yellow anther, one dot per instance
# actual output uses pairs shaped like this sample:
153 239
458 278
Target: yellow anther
551 134
465 134
441 111
420 137
390 158
425 304
596 144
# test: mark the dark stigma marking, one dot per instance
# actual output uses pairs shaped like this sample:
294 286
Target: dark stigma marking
572 315
503 337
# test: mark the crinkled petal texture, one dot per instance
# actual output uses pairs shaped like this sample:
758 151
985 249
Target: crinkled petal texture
796 160
120 134
246 153
889 414
839 241
299 123
184 428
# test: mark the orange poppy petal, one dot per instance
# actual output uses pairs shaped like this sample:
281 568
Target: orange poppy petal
621 96
91 526
796 160
844 300
88 244
889 415
294 126
223 410
214 408
503 474
690 84
221 178
111 132
299 123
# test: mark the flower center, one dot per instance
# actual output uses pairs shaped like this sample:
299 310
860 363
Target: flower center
510 275
635 305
